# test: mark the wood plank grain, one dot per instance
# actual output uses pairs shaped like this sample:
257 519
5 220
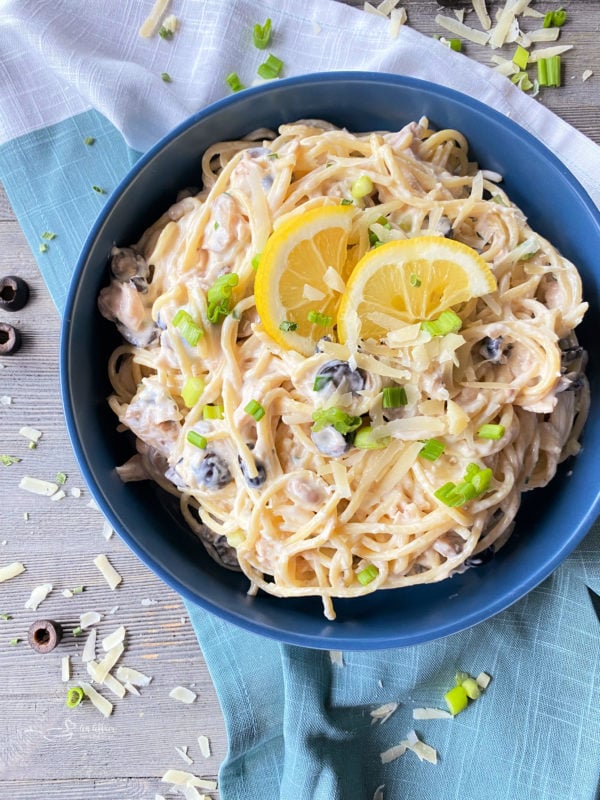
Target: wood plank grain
50 751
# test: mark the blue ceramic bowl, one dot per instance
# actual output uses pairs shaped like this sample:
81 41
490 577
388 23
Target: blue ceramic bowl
550 523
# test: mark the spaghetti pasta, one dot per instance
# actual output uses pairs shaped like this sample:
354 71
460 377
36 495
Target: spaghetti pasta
309 509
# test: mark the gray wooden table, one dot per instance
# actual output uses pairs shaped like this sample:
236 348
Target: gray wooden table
47 750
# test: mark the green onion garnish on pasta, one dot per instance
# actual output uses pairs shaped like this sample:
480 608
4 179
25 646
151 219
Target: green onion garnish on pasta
270 68
476 481
447 322
188 329
367 575
195 438
432 449
341 421
490 431
365 440
261 34
288 325
218 297
319 319
394 397
213 412
361 187
255 410
192 391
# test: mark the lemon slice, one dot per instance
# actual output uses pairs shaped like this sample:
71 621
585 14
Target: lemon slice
299 277
410 280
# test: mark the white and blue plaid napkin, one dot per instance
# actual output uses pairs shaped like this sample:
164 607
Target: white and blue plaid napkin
299 726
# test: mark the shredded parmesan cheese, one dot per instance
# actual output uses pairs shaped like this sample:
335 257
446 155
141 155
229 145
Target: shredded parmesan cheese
204 745
152 21
483 680
398 18
129 675
38 595
336 657
334 280
89 618
183 753
114 685
548 52
65 669
103 705
115 638
89 651
11 571
586 75
460 29
383 713
37 486
31 433
482 14
312 293
180 778
182 694
431 713
110 574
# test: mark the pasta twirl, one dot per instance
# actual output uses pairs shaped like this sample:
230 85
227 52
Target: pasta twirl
303 508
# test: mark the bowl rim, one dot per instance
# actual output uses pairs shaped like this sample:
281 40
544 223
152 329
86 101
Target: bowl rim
340 639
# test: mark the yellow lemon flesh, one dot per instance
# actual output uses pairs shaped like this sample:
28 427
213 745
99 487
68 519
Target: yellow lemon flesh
299 277
408 281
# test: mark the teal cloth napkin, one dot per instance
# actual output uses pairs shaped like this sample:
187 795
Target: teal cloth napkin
299 724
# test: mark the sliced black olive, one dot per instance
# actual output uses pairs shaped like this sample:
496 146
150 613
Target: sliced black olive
340 375
44 635
259 478
10 339
14 293
484 557
213 472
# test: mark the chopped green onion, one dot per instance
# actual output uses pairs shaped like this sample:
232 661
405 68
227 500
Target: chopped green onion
471 688
192 391
432 449
195 438
555 19
77 631
74 696
460 677
365 440
256 261
43 248
414 280
89 140
273 156
447 322
189 330
319 319
32 445
288 325
367 574
549 71
218 297
98 189
456 699
476 481
61 478
520 57
521 79
321 382
5 616
255 410
342 422
165 33
9 460
361 187
166 77
374 240
213 412
48 235
346 202
78 590
394 397
455 44
14 642
270 68
490 431
234 83
261 34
